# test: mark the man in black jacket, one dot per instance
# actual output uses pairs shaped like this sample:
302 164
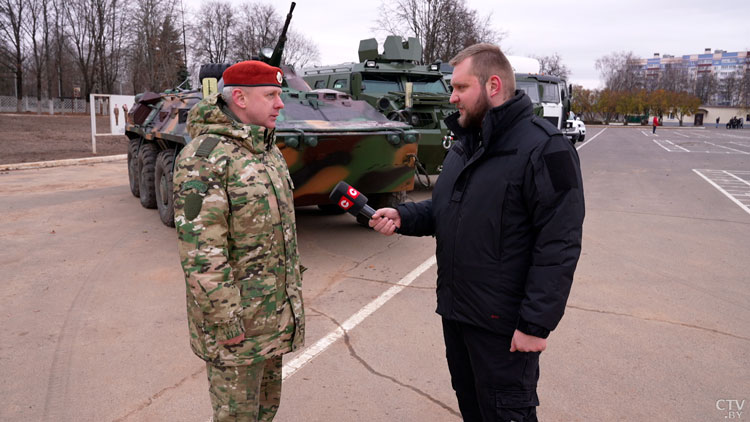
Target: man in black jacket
507 214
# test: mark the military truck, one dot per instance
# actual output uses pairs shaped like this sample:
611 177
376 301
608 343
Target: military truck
399 87
325 136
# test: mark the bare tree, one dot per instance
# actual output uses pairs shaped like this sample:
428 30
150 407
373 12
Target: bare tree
110 33
443 27
32 25
300 51
553 65
620 71
744 90
59 44
12 13
211 31
705 87
728 90
156 55
674 78
46 22
170 62
81 31
262 30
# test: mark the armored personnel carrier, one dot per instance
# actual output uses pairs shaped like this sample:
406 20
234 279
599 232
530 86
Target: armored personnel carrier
400 87
325 136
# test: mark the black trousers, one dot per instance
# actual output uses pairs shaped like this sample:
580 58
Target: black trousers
491 383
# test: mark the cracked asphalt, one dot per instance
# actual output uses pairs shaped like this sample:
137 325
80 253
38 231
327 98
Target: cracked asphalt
657 327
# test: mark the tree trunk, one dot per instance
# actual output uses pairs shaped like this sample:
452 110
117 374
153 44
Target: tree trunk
19 85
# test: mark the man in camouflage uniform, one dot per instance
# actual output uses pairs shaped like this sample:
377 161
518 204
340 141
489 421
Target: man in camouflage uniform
234 215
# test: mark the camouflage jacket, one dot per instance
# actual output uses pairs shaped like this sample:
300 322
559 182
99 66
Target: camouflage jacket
235 222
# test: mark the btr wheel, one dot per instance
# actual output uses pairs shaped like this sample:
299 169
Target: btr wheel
147 164
134 172
331 209
581 138
381 200
163 184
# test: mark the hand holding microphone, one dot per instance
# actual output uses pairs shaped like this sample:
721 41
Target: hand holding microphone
384 220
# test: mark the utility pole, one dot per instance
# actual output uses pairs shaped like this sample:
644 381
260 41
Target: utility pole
184 43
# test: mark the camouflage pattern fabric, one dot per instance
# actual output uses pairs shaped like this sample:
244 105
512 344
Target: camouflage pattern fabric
245 393
234 215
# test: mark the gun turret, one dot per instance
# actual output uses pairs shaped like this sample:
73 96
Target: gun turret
275 59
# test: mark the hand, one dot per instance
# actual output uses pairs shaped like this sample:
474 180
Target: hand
522 342
386 221
233 341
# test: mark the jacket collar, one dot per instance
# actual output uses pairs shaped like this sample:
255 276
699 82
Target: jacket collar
496 122
212 116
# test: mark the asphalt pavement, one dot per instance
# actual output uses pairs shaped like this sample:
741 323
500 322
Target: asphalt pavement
657 325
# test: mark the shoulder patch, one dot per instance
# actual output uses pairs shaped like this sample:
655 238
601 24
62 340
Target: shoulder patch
545 125
206 146
561 170
193 205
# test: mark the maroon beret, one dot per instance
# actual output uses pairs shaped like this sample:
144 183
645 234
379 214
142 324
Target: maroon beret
252 73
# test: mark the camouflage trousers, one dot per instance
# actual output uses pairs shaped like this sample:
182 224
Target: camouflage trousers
245 393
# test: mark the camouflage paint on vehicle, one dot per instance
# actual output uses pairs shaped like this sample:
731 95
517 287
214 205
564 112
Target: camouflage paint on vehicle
324 135
383 79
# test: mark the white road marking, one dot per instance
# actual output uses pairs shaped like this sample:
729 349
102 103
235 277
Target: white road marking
644 133
727 194
740 144
321 345
731 135
665 148
592 138
732 149
677 146
738 178
678 133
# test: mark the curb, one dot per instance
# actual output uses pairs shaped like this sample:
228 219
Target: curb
61 163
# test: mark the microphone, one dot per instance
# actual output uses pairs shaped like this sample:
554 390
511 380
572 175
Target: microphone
351 200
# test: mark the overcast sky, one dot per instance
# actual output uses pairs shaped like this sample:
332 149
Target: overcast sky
580 31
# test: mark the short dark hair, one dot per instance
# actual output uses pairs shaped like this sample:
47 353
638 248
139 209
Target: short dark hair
488 60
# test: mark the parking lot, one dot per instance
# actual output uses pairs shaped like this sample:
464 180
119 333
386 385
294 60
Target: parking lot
657 325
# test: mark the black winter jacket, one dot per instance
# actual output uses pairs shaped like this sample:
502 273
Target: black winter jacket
507 212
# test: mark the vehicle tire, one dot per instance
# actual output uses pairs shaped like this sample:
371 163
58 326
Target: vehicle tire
331 209
581 138
134 172
147 164
381 200
163 186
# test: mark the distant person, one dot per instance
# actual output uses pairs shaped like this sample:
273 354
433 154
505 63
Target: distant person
117 115
507 215
655 124
237 238
717 122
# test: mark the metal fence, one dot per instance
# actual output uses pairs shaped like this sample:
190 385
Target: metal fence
50 105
